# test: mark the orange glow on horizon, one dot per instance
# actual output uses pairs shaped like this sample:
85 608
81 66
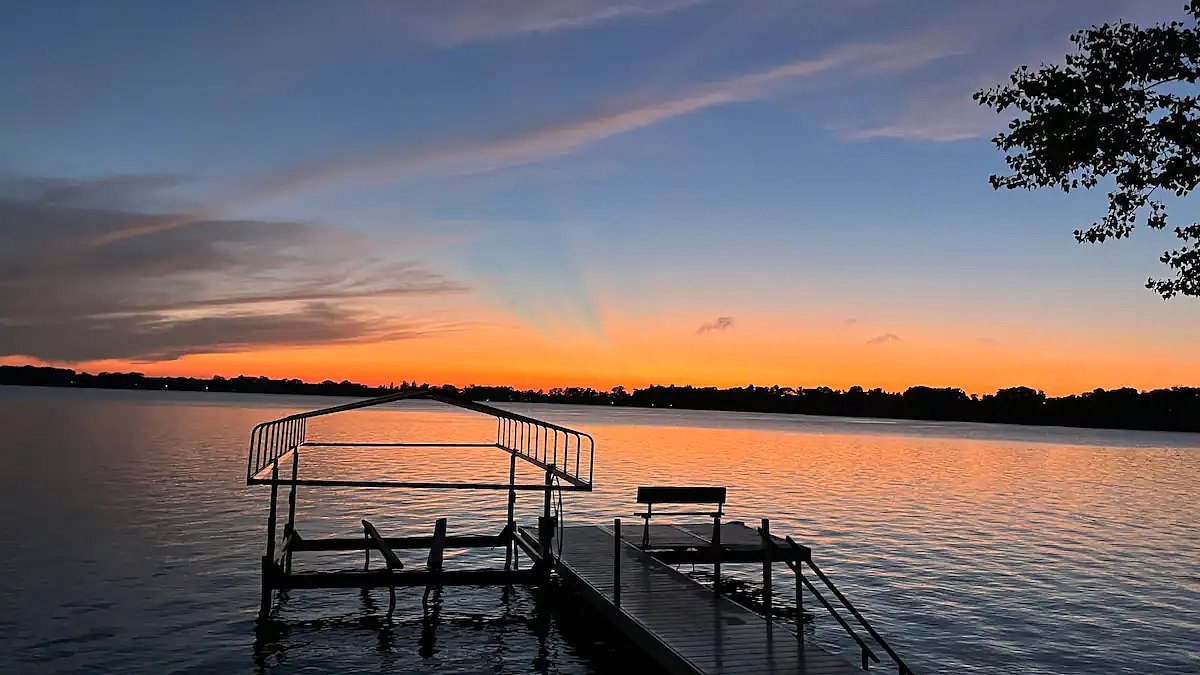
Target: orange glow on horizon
671 352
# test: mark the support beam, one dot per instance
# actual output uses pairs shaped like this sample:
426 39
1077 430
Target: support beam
315 482
423 542
318 444
380 578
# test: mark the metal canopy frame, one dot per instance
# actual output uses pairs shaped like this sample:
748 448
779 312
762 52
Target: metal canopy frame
565 455
568 454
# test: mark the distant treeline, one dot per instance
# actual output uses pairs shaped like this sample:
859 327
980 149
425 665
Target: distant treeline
1174 409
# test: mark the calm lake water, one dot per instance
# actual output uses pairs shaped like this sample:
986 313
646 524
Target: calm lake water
131 543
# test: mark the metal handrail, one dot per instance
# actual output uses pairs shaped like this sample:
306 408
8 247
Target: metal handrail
806 559
549 446
523 436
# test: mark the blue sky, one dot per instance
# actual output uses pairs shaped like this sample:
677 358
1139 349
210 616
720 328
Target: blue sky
568 161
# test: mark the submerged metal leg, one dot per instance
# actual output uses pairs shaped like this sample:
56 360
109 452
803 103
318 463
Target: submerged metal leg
391 600
269 559
510 551
546 529
290 528
264 608
800 601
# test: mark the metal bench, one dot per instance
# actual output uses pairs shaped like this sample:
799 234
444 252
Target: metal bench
651 495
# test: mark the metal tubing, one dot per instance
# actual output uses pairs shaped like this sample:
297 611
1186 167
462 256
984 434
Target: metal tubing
716 546
842 622
532 438
291 521
800 601
617 562
321 444
271 515
861 619
269 558
264 607
512 507
320 482
546 531
252 455
766 568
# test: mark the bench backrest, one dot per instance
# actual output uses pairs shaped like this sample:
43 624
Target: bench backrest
680 495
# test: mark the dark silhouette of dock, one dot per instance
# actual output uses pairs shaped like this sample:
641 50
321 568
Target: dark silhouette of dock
683 625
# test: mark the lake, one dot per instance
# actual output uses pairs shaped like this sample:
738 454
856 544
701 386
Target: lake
131 542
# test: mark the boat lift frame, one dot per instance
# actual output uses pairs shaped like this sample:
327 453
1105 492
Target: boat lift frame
565 455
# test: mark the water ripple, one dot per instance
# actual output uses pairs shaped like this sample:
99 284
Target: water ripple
132 542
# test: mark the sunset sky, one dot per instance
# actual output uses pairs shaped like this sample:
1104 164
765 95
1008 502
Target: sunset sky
557 193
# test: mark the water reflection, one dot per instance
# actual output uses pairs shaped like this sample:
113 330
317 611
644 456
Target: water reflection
971 547
528 631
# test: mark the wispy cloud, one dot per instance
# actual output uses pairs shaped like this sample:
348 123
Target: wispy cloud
215 286
304 33
456 22
940 118
555 140
718 324
884 339
1030 31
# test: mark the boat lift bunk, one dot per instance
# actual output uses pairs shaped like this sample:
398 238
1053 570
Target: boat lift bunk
564 456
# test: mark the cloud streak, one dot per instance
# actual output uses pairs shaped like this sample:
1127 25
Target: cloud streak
216 285
884 339
452 23
555 140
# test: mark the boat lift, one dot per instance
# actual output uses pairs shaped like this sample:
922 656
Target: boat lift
565 457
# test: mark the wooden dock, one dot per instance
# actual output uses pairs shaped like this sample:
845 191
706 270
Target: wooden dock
679 623
685 627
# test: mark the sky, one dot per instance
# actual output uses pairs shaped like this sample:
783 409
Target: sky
568 193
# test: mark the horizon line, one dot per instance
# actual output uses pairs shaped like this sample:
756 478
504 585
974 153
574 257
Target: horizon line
546 390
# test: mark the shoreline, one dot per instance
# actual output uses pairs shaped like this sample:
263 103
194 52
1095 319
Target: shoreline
544 399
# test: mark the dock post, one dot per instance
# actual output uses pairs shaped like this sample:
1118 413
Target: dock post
269 559
546 531
716 546
617 562
290 529
264 607
767 551
511 550
800 599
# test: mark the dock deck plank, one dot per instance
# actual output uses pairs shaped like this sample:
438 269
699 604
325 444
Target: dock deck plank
684 626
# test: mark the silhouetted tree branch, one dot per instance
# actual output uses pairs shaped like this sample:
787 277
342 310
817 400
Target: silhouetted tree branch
1105 114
